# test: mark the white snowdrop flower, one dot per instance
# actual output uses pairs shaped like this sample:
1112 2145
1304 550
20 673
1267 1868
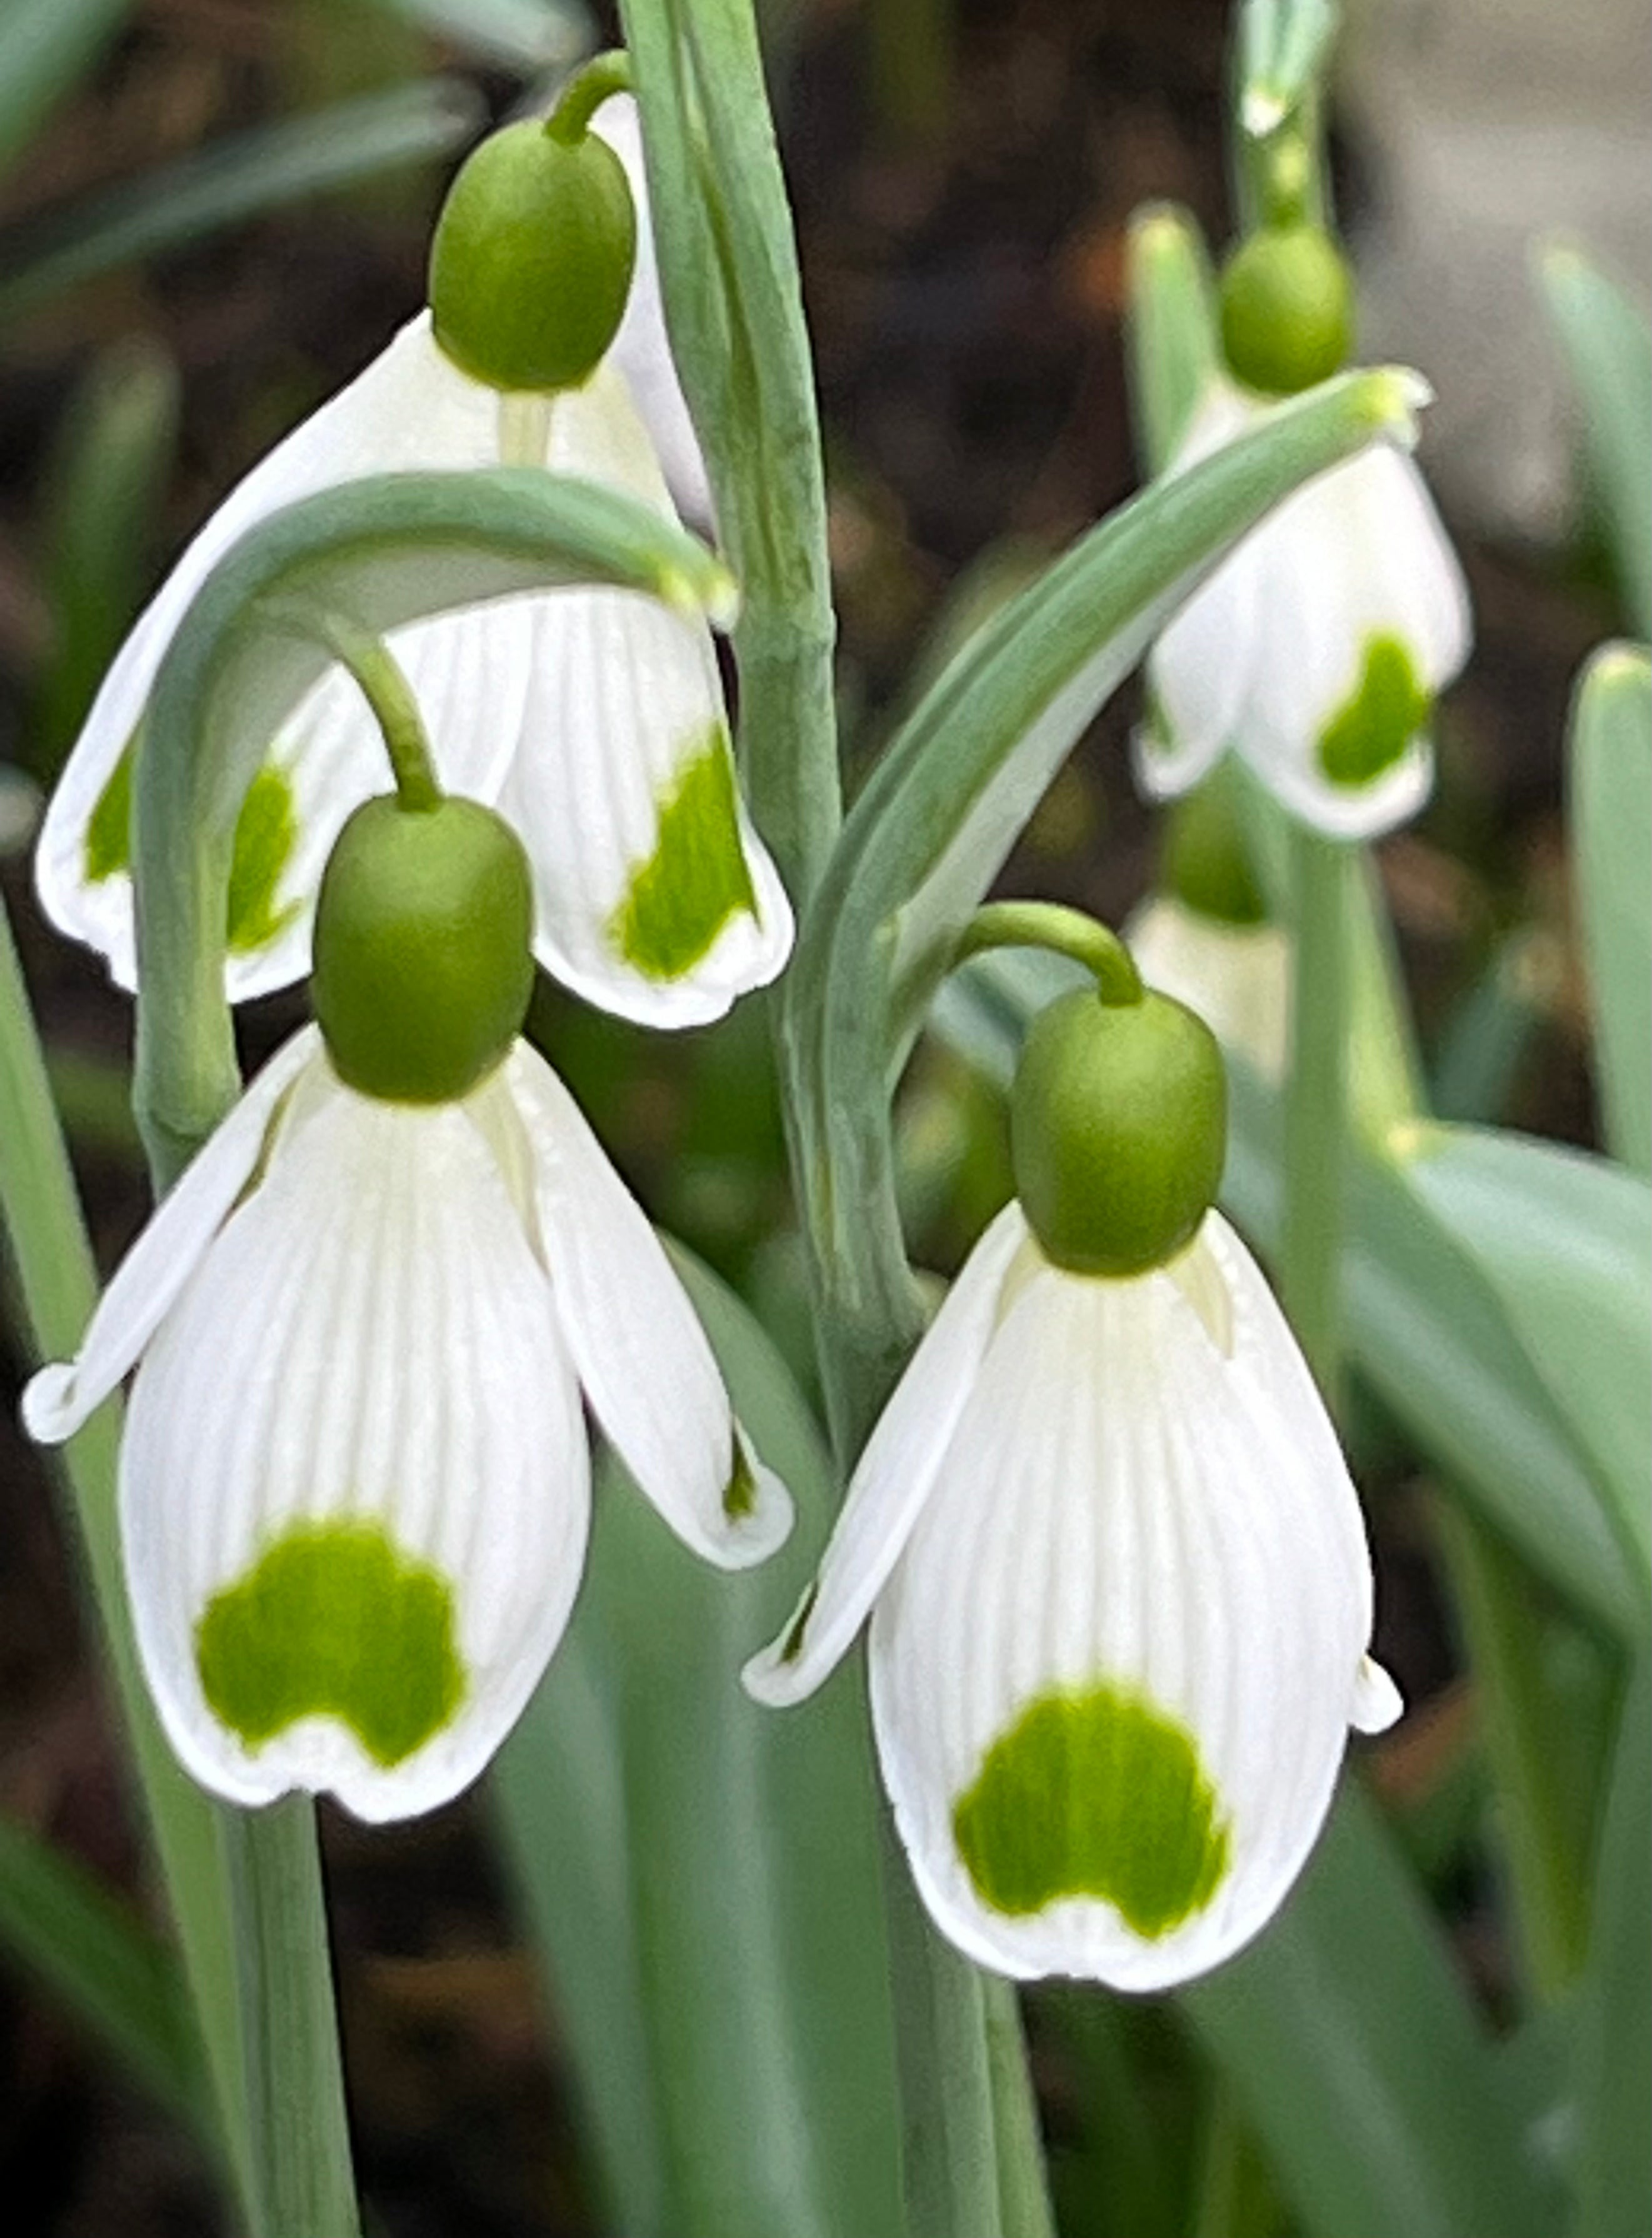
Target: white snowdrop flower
1119 1591
594 718
355 1485
1317 648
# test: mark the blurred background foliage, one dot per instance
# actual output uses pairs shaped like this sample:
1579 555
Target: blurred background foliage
212 212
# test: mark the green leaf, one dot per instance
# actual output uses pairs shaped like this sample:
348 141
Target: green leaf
1609 751
240 177
525 36
46 47
106 1967
384 550
949 796
729 271
1174 343
1564 1240
1348 2043
1284 46
1613 2064
1607 343
737 1848
114 454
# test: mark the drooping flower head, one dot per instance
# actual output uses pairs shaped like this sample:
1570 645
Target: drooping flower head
593 719
1318 648
354 1484
1119 1591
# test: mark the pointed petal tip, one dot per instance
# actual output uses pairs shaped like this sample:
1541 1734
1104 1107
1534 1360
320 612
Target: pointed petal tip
1399 394
781 1674
51 1409
1379 1703
757 1508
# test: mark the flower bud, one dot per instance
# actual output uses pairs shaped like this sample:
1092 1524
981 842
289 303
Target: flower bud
531 260
1118 1126
422 963
1287 307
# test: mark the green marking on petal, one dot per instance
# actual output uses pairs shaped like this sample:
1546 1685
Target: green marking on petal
695 879
109 834
740 1493
266 833
1094 1794
1388 706
332 1620
792 1647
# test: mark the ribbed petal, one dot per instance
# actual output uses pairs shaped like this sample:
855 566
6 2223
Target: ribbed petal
1127 1514
60 1397
409 409
363 1380
655 898
641 350
1358 554
896 1474
1200 668
1237 977
635 1340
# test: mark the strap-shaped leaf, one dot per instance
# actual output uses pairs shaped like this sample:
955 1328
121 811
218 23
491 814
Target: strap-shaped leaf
1174 349
1607 340
953 791
1283 47
45 47
384 550
1611 786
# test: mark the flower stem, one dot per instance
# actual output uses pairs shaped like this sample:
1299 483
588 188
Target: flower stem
387 693
604 76
1024 2207
1316 1111
301 2143
1065 932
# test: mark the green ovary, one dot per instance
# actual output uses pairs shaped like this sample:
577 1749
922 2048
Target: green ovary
266 833
1387 708
332 1620
1094 1794
695 879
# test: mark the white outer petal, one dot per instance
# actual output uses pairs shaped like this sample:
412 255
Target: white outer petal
370 1336
641 350
1358 552
1237 977
409 408
59 1398
1121 1502
896 1473
635 1340
625 695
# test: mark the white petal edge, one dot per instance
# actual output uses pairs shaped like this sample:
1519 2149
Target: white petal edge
1119 1502
894 1475
410 409
179 1231
371 1338
641 349
635 1340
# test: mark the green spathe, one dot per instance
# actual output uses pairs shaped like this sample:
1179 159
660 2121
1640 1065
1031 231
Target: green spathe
1117 1129
1384 712
1094 1794
332 1620
697 878
423 967
266 834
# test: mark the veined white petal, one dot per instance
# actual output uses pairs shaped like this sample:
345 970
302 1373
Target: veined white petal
896 1473
636 1343
165 1256
1237 977
410 409
642 351
354 1487
1143 1556
1357 558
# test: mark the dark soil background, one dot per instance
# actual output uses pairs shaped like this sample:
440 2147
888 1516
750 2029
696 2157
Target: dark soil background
963 283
